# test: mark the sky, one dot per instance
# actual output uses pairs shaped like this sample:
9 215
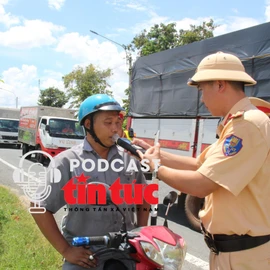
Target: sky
43 40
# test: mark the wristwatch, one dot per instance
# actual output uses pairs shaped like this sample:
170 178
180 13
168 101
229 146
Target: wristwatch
156 171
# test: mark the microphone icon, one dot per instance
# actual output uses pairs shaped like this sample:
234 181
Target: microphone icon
36 188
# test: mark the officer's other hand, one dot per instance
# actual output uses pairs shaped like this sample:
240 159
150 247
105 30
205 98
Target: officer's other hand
152 154
79 256
141 143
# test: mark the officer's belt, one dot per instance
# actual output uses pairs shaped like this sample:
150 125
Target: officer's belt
230 243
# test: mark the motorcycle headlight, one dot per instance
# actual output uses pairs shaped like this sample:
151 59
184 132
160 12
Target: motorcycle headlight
168 257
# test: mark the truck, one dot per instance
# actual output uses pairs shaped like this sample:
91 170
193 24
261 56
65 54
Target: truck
48 129
9 122
160 98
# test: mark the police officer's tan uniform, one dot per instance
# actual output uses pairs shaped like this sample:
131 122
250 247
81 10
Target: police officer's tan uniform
239 162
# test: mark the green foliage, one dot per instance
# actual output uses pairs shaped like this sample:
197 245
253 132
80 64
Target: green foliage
22 246
197 33
52 97
84 82
163 37
159 38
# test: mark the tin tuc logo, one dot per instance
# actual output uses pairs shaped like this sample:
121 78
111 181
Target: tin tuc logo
78 191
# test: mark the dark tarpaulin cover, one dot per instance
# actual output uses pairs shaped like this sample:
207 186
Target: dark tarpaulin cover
159 81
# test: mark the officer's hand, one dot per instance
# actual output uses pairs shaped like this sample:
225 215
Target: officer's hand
79 256
141 143
152 155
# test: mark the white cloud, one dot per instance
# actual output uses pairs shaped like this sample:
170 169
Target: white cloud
130 5
118 93
136 6
154 19
232 24
22 83
52 79
34 33
102 55
56 4
6 18
86 50
267 10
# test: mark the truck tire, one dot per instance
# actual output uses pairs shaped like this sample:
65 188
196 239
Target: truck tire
192 207
25 149
40 157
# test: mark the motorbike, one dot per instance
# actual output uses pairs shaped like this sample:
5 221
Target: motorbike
146 248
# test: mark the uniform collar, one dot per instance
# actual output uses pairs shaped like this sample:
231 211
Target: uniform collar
239 106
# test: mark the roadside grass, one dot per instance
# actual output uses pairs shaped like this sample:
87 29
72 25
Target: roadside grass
22 246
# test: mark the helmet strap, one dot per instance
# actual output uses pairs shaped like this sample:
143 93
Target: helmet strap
92 131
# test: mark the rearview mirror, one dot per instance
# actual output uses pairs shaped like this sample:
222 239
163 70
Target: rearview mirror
47 128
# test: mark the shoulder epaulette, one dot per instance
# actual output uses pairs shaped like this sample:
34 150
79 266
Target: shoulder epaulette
237 115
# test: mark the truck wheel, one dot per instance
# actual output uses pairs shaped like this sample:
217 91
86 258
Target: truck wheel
40 157
25 149
192 207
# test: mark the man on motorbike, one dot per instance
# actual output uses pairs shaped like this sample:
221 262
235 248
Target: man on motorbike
101 117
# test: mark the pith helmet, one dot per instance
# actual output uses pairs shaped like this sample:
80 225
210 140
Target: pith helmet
221 66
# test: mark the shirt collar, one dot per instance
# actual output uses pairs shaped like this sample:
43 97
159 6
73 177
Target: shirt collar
241 105
112 152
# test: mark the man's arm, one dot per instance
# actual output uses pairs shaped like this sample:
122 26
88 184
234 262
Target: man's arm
142 216
49 228
189 182
178 162
171 160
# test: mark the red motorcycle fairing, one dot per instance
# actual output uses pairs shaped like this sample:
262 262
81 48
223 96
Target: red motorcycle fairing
150 234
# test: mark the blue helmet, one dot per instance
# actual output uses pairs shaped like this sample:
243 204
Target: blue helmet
98 102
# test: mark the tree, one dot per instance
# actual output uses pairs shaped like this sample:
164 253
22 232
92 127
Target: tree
163 37
197 33
52 97
84 82
159 38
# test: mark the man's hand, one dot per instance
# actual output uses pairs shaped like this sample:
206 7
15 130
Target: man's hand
79 256
152 155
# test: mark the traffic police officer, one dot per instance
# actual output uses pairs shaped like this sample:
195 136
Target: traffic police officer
233 173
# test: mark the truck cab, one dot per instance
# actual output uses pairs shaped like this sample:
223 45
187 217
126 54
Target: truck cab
56 134
49 129
9 131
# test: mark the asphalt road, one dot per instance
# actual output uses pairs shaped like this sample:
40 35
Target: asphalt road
197 252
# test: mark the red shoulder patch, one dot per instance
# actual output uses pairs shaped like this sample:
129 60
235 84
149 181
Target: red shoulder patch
237 115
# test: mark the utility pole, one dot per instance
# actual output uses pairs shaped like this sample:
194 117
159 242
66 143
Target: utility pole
128 56
16 98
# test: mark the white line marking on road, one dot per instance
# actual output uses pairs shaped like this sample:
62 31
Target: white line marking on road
13 167
197 261
8 164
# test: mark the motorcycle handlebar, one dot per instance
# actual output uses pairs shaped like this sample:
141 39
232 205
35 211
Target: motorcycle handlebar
90 241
